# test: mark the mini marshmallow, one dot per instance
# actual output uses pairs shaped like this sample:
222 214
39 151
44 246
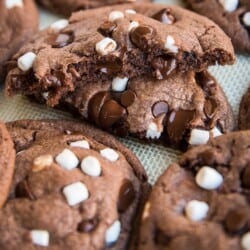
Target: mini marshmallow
170 45
25 62
133 25
115 15
229 5
80 144
198 137
246 19
130 11
67 159
9 4
152 132
106 46
42 162
196 210
109 154
119 84
40 237
113 233
75 193
245 241
59 25
45 95
91 166
216 132
208 178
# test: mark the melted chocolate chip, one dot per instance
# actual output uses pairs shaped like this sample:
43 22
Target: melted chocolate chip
245 177
126 196
23 191
236 221
128 98
210 107
110 67
107 28
110 113
60 40
164 16
164 66
177 123
87 226
141 35
206 81
159 108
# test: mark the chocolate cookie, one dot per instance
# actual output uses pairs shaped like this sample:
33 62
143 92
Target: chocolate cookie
7 163
156 41
244 112
18 22
233 16
203 202
69 190
66 7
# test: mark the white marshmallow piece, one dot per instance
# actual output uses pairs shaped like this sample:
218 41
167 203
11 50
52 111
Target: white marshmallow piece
198 137
170 45
25 62
67 159
113 233
130 11
229 5
109 154
75 193
246 19
59 25
245 241
115 15
216 132
13 3
91 166
196 210
152 132
40 237
133 25
80 144
106 46
119 84
208 178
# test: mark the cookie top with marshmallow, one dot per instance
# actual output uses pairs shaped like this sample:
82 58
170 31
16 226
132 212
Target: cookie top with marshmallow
70 190
202 202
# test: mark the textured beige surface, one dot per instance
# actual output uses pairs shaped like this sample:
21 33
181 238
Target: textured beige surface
234 80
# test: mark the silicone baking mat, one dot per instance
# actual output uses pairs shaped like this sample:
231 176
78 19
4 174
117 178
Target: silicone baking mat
234 80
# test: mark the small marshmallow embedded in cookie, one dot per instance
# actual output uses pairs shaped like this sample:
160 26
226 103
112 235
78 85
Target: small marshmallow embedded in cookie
229 5
113 233
115 15
25 62
91 166
133 25
246 19
196 210
13 3
106 46
67 159
170 45
40 237
198 137
42 162
80 144
153 131
59 25
245 241
119 84
109 154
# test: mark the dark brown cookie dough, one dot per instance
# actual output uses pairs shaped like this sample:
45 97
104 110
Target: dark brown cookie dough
18 22
63 194
203 202
66 7
244 112
156 41
233 16
7 163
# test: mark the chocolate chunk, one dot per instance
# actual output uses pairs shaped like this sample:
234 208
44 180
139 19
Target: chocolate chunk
164 16
87 226
164 66
245 178
141 35
128 98
61 40
159 108
210 107
110 113
126 196
110 67
106 28
236 221
23 191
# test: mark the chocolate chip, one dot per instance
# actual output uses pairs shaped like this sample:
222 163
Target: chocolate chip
126 196
110 113
110 67
141 35
87 226
164 66
235 221
177 123
159 108
60 40
164 16
210 107
245 177
95 105
23 191
206 81
128 98
107 28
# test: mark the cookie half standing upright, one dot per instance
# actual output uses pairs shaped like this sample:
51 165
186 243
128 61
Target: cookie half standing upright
71 191
233 16
244 112
203 201
18 22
